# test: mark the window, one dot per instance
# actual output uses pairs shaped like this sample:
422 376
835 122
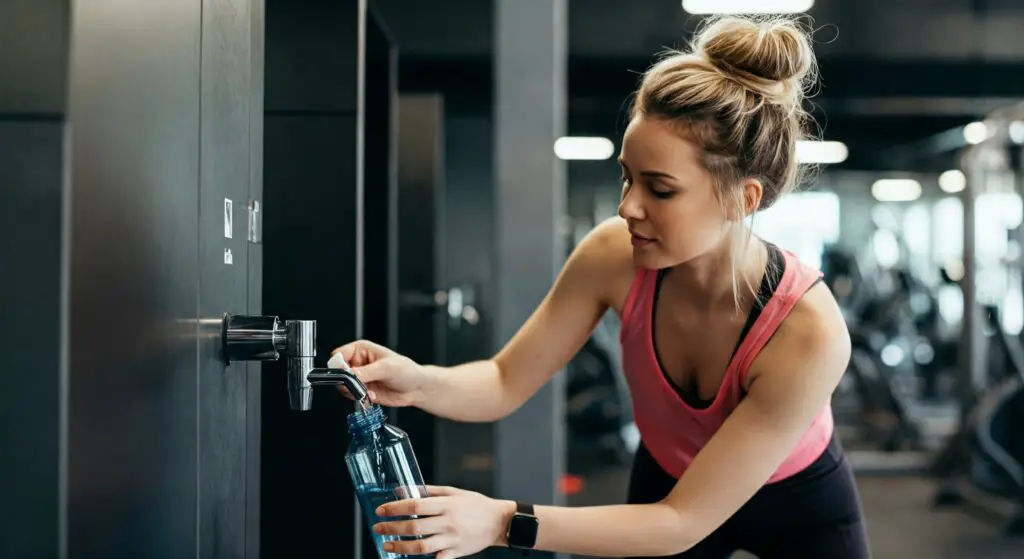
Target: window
802 223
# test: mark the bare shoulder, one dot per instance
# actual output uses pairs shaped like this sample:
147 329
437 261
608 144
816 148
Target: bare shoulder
814 334
604 259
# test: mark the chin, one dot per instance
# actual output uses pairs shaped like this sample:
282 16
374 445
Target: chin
652 260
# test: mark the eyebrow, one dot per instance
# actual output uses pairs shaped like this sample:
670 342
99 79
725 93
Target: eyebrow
651 174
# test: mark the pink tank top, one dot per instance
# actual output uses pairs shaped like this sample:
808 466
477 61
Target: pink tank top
673 431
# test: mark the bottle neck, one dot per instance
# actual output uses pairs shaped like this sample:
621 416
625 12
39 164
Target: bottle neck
365 423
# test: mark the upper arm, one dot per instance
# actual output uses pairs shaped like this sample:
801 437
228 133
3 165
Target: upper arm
796 375
598 269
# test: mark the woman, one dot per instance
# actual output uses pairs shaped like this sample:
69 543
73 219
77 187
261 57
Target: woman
731 346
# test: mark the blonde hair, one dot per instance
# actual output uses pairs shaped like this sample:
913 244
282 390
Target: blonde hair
738 94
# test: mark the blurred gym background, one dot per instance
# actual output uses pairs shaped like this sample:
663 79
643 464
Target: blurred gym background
415 173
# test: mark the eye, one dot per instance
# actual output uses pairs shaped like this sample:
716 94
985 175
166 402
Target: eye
661 192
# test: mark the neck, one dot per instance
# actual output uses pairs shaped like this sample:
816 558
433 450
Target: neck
707 280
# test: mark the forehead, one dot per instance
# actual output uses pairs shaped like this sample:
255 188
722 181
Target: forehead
651 143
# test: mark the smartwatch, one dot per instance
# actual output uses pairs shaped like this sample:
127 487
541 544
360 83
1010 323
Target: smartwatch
522 529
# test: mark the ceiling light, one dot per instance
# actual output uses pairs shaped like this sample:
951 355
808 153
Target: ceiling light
1016 132
975 133
810 152
583 147
952 181
896 190
747 6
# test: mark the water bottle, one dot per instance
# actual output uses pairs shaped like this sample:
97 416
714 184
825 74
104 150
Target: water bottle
383 467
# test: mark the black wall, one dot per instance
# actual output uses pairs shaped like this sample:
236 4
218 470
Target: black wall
123 131
132 217
157 438
33 69
313 188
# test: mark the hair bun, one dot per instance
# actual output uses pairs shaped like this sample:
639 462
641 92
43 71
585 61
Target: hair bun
770 51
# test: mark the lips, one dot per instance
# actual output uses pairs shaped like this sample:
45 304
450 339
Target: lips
639 240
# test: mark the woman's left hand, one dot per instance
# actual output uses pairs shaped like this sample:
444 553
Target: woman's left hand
451 522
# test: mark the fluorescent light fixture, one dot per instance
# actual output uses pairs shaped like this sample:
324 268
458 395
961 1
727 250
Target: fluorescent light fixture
975 133
896 190
584 148
952 181
810 152
747 6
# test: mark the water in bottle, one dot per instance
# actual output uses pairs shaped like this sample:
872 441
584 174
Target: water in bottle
383 467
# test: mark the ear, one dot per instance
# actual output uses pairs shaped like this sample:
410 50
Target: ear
753 191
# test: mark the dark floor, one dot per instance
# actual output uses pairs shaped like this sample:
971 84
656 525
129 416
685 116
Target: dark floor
901 521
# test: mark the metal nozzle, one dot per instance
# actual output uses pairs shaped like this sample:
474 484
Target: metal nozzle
263 338
344 377
303 376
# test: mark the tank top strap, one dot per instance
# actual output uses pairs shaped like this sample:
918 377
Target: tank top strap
796 280
643 283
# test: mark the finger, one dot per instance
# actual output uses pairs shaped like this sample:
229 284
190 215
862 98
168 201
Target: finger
443 490
424 526
408 507
378 370
446 554
421 546
361 352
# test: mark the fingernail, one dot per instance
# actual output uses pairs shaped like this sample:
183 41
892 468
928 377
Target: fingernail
378 528
379 511
389 546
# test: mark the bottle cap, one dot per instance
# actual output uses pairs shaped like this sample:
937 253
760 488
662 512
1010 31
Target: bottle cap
338 362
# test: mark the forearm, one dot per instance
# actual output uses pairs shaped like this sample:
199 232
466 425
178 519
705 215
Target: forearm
472 392
613 531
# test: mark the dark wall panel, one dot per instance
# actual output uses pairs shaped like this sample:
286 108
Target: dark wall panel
30 403
310 272
422 321
33 57
464 450
132 419
254 255
311 55
32 106
223 273
380 201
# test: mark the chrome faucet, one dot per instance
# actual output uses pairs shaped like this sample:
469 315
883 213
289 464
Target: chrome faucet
265 338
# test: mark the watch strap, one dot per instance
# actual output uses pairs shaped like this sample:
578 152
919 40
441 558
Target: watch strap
524 508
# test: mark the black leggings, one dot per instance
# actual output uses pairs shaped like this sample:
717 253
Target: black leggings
814 514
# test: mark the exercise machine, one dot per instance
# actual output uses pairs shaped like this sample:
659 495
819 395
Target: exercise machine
889 394
982 466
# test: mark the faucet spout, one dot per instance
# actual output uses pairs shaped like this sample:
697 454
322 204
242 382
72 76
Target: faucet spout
264 338
344 377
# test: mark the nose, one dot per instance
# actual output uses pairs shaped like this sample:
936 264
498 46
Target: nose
630 207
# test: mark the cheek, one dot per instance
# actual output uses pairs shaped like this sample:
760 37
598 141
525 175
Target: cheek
691 225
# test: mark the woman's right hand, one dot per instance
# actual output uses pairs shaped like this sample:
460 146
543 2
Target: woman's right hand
393 379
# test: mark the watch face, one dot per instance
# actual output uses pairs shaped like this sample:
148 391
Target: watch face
522 531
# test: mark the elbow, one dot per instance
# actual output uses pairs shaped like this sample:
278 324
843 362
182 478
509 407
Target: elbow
679 548
676 544
681 535
510 396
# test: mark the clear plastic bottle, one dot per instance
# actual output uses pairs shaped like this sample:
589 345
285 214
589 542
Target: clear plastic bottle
383 467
